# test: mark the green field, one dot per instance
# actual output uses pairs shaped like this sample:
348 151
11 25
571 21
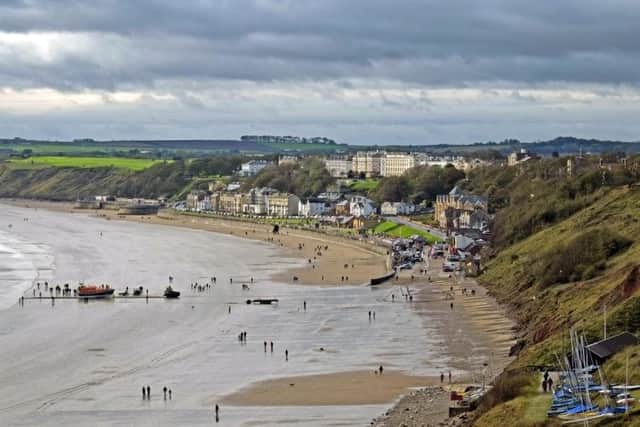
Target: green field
84 162
54 149
394 229
364 184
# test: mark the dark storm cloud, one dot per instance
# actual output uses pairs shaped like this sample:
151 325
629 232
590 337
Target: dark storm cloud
454 43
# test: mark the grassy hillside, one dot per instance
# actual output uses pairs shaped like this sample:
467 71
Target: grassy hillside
56 183
566 273
565 248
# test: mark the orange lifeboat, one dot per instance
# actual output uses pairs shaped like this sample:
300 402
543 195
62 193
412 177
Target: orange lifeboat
93 291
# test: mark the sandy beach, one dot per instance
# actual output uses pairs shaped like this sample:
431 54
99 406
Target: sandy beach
342 388
192 343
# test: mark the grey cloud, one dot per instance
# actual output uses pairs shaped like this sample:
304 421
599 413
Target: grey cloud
423 42
345 69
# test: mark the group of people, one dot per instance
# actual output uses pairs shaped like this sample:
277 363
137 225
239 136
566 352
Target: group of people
196 287
146 393
200 288
59 290
242 337
442 377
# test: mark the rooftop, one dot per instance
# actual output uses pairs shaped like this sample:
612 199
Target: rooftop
610 346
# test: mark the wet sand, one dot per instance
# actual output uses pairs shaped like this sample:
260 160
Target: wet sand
414 341
346 262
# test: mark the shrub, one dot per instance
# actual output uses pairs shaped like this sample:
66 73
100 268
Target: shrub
507 386
581 258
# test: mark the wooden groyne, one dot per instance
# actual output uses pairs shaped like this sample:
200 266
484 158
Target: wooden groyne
138 210
381 279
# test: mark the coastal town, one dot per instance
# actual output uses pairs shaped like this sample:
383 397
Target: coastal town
319 213
426 255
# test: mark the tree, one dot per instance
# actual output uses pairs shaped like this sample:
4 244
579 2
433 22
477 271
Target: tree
303 179
429 181
392 189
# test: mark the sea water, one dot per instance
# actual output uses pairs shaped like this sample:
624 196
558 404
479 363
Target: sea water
21 263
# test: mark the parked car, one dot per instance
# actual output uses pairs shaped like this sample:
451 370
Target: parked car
448 267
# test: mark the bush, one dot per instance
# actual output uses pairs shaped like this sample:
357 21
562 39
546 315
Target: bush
507 386
582 258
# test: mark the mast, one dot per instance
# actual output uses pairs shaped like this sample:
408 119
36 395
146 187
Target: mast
605 321
626 386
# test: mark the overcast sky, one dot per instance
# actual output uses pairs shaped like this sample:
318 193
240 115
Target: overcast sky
357 71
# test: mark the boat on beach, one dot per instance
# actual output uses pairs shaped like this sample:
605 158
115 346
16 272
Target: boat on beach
169 292
94 291
263 301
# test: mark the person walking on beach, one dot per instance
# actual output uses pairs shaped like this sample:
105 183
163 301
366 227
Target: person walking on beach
265 346
271 346
441 377
369 315
144 393
286 355
169 394
304 304
164 391
449 377
374 315
229 309
148 392
380 369
217 413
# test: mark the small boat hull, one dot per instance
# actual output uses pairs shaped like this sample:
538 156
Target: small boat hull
171 293
107 293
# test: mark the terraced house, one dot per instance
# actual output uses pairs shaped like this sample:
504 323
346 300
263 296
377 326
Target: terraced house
282 204
459 210
230 203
